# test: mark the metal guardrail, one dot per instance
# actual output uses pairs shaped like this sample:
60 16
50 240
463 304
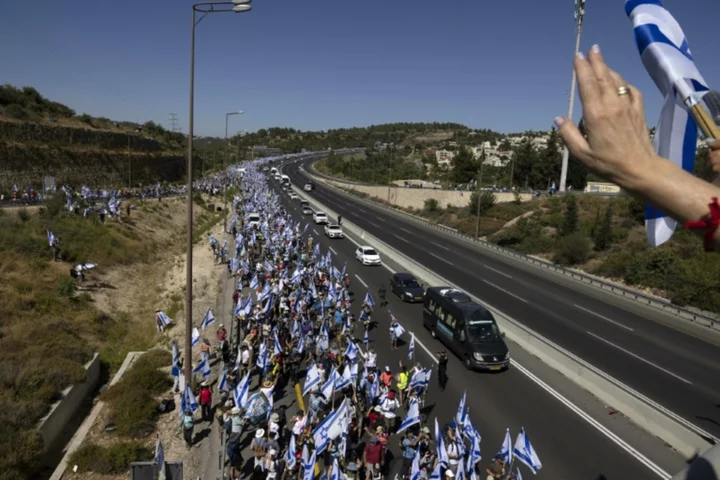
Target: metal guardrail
628 293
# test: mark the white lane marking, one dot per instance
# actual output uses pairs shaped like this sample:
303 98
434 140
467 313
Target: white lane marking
604 318
598 426
361 280
401 238
438 245
440 258
316 232
333 250
406 231
497 271
381 219
361 209
506 291
374 224
639 358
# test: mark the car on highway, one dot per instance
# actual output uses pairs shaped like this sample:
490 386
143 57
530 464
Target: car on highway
253 219
406 287
367 255
308 187
293 196
306 210
334 231
320 218
466 327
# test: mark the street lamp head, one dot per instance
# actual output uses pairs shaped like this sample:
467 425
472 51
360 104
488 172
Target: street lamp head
241 2
239 112
241 8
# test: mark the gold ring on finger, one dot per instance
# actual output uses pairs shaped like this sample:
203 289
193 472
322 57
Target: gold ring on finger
621 91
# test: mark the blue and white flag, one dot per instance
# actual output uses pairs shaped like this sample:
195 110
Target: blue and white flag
262 356
335 473
295 329
329 388
366 338
188 402
435 475
159 460
344 380
441 451
369 300
352 350
242 391
208 319
475 454
290 459
175 355
461 415
222 385
164 319
415 467
412 417
331 427
506 451
525 452
312 379
667 58
411 346
203 368
51 238
254 282
278 348
309 467
195 336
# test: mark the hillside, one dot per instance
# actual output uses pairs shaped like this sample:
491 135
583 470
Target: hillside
40 137
50 325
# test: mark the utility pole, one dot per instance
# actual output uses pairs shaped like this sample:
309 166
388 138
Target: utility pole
174 126
579 17
477 193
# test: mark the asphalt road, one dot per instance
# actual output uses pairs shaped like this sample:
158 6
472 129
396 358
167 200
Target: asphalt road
675 367
568 446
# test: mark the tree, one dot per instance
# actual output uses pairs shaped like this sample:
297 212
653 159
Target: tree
547 169
636 211
570 223
464 166
487 199
603 235
525 160
431 205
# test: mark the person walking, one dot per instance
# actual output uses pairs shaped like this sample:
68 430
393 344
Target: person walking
381 294
187 425
442 369
205 398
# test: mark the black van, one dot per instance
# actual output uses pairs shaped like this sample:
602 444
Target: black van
466 327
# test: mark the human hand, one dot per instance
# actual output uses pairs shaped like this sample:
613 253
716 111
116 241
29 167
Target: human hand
617 146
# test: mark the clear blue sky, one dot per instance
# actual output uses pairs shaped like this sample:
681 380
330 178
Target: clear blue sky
319 64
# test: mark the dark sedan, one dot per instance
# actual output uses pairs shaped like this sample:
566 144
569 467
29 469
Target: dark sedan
405 286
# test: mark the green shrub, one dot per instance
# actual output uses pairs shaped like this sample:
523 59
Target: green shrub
66 287
431 205
113 459
572 250
482 203
570 222
23 215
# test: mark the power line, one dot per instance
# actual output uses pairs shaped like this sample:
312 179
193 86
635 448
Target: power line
174 126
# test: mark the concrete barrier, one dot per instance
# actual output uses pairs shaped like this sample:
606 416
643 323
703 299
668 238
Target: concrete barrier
82 432
647 414
52 425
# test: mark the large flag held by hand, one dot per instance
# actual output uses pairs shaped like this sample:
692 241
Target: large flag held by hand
666 56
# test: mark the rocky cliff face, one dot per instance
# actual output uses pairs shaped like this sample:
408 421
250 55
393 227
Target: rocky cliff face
76 156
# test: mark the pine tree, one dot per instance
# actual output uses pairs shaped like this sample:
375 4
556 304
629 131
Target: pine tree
570 224
464 167
603 237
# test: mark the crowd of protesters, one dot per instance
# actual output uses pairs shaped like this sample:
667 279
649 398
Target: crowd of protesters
295 327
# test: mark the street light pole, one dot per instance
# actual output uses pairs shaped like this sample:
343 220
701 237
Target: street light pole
579 17
225 158
477 193
238 6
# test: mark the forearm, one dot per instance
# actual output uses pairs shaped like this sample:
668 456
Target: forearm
672 190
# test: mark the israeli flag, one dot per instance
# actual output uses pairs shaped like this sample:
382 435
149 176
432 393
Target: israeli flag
262 356
344 380
301 344
278 348
175 355
309 467
312 379
366 338
242 391
352 350
412 417
331 427
159 460
506 449
329 388
208 319
460 475
295 329
203 367
247 306
525 452
441 451
335 472
254 282
188 402
290 459
164 319
411 346
415 468
269 304
369 300
195 336
667 58
435 475
51 238
461 416
475 454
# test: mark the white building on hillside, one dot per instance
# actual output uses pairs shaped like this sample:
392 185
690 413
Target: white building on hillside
444 157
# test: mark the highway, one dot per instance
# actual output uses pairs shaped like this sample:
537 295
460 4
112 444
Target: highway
568 445
660 357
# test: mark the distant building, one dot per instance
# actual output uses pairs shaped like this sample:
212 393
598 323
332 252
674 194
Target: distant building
601 187
444 157
263 151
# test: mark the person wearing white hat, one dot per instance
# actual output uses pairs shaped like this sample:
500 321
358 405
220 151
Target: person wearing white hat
449 473
258 447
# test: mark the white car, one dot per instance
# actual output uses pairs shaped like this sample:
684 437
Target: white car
320 218
307 187
253 219
294 196
367 256
334 231
306 210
